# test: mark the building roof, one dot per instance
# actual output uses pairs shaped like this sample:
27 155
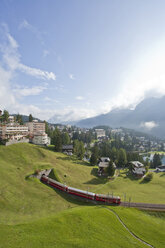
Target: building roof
139 171
104 159
137 164
103 164
161 167
67 147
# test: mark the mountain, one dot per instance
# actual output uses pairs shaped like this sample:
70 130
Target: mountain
148 116
25 118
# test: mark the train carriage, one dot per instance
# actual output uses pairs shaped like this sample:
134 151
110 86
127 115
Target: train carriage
108 198
54 183
81 193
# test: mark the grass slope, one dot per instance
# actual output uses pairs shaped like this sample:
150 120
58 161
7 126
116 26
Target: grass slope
151 192
82 227
34 215
23 199
149 226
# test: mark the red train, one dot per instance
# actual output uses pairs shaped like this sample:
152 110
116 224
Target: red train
81 193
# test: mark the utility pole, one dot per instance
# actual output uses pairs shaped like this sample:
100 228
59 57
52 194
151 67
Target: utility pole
125 199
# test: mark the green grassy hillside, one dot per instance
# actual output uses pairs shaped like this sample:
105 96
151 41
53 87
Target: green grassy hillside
22 199
148 225
86 227
34 215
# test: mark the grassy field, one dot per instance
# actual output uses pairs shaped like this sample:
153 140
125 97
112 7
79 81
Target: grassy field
83 176
148 225
84 227
34 215
22 198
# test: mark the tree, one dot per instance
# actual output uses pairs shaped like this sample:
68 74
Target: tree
122 160
78 149
75 147
65 139
156 160
19 119
114 154
148 177
81 150
5 115
105 149
95 155
30 118
57 140
111 169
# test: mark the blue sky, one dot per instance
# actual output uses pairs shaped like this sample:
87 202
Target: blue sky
73 59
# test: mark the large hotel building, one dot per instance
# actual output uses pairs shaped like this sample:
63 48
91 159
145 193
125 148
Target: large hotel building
34 131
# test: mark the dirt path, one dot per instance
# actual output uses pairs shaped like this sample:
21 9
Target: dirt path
134 235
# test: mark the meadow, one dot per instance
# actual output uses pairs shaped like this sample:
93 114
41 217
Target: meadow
35 215
86 227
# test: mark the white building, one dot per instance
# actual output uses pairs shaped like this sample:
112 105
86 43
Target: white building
13 131
41 139
35 131
36 127
100 133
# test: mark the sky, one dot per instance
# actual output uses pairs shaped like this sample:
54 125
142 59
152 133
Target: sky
73 59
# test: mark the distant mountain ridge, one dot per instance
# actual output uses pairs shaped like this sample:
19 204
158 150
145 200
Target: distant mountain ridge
25 118
148 116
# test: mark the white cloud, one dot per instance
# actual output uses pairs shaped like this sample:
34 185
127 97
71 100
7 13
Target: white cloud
149 124
10 63
47 99
145 76
50 100
71 76
12 41
45 53
80 98
71 114
12 59
6 96
26 25
29 91
36 72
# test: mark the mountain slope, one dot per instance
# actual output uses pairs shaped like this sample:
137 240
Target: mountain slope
148 116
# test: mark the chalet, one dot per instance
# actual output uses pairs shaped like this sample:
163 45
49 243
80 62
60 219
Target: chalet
160 168
67 149
103 164
137 168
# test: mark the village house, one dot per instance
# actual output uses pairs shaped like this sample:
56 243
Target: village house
137 169
160 168
102 165
100 133
67 149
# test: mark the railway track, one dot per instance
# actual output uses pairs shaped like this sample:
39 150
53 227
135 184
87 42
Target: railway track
151 206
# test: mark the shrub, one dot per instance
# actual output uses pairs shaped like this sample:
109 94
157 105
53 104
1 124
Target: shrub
148 177
37 171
